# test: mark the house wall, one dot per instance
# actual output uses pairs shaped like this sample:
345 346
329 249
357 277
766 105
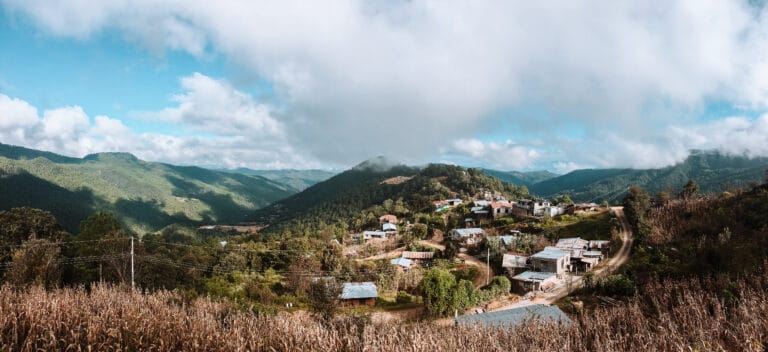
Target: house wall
549 266
370 302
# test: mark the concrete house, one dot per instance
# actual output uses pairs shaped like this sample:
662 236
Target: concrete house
552 260
359 294
533 281
470 235
514 264
501 209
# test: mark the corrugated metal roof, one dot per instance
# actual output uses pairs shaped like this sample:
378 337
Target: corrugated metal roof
389 227
550 253
404 262
514 261
512 317
533 275
356 290
418 255
469 231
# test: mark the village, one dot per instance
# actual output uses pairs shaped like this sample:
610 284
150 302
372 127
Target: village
493 241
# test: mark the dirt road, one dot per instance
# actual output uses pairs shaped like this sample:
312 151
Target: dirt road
482 268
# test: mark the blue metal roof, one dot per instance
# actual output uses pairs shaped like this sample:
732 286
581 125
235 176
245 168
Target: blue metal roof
512 317
470 231
389 226
550 253
533 275
356 290
404 262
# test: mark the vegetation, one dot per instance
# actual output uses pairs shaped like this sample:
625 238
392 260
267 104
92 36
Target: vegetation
145 196
108 318
353 200
712 171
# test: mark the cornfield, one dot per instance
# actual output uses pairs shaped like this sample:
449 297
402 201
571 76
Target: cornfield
682 316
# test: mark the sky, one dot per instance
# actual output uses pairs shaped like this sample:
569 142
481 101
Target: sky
509 85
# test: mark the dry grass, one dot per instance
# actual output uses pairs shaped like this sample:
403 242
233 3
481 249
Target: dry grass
678 317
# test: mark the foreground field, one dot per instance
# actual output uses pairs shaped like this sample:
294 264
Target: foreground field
675 317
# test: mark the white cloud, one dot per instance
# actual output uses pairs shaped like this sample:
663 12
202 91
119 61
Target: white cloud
507 155
230 130
356 79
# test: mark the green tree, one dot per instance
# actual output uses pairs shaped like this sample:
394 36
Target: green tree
565 199
663 198
689 190
437 290
101 235
464 295
323 298
637 203
419 231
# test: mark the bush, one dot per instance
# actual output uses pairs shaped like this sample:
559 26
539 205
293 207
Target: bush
616 285
403 298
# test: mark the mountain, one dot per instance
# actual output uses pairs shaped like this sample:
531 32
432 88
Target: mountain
297 179
146 196
521 178
714 172
356 197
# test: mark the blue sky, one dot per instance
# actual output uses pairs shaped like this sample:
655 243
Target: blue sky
296 85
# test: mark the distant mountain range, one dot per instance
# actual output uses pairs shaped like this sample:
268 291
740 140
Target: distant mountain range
297 179
146 196
519 178
713 172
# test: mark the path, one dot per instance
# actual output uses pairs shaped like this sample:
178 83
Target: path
482 268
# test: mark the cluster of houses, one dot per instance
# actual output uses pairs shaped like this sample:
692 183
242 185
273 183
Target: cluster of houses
411 258
541 271
388 228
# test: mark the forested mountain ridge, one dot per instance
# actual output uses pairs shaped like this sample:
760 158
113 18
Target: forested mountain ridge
297 179
347 199
713 172
521 178
145 196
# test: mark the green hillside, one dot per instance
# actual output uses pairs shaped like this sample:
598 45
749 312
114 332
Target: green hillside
146 196
297 179
521 178
714 172
348 200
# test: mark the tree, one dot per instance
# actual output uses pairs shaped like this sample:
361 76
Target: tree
36 262
323 297
101 235
565 199
689 190
437 289
419 231
663 198
637 203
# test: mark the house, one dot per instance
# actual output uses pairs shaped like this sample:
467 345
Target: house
470 222
528 281
514 264
481 203
530 207
359 294
440 205
453 202
368 235
572 243
603 246
501 209
469 235
551 260
583 208
552 211
511 317
418 257
388 219
389 227
402 262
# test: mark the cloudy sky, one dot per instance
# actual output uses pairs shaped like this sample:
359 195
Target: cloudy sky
294 84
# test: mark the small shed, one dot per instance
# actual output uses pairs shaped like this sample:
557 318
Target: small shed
359 294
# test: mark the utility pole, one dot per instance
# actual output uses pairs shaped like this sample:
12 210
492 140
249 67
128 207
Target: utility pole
133 284
488 266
